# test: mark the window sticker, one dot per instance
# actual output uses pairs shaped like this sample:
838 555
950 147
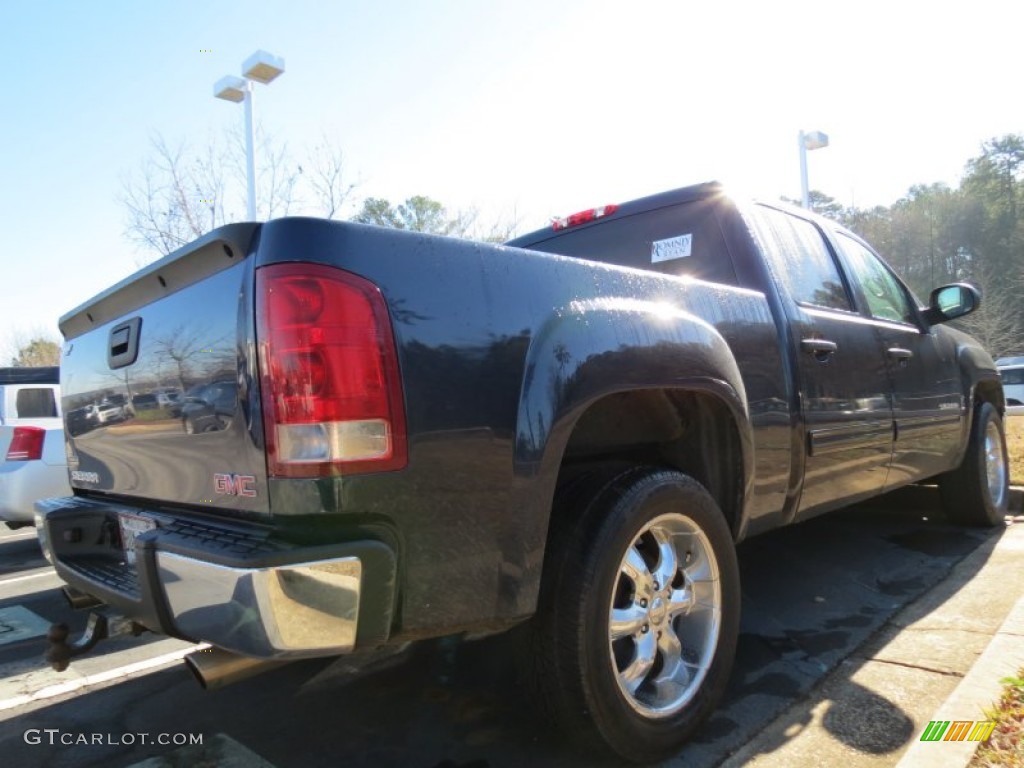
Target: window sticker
673 248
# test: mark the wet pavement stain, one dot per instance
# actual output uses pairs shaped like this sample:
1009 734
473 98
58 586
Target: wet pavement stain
934 542
847 621
714 729
895 587
776 684
815 643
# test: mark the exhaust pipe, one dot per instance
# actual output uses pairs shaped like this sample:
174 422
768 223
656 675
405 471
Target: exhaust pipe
216 668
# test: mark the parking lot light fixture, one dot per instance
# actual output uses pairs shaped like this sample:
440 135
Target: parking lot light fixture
807 141
261 67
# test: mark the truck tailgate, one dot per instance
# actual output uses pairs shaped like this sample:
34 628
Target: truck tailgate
158 383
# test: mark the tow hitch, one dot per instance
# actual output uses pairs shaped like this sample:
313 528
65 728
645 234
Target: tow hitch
99 627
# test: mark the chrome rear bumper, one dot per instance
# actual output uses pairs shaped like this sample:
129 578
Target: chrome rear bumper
291 610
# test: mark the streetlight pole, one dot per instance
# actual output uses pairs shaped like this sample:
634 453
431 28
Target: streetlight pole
261 67
250 155
806 141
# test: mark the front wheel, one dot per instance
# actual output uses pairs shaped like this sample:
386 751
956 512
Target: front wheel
978 491
639 612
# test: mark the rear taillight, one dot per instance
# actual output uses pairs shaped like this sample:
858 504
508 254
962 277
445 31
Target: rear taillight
26 444
332 398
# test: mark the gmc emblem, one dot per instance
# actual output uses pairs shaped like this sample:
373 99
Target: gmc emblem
235 485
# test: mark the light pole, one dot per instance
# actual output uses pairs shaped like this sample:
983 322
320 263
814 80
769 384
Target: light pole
261 67
811 140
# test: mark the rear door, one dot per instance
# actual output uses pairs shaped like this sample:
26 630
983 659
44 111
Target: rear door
842 375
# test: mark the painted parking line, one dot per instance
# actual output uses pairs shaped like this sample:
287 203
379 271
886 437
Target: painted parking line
19 623
87 681
22 536
16 579
36 587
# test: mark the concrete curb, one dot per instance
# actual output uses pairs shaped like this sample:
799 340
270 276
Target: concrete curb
978 690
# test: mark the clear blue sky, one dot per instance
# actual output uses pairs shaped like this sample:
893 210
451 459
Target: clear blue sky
545 106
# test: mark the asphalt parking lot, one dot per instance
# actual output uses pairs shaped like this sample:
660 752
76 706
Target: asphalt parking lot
813 594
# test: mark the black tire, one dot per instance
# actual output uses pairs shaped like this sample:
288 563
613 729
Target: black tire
578 669
977 492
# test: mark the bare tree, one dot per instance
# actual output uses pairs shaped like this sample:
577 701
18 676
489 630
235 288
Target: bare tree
166 204
327 178
277 175
500 229
179 192
995 324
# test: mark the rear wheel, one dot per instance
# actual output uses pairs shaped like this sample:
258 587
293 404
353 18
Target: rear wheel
977 492
636 628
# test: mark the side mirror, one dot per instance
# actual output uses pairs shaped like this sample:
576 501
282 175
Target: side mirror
951 302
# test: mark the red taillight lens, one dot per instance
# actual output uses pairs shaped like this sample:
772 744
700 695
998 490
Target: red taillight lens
583 217
26 444
332 398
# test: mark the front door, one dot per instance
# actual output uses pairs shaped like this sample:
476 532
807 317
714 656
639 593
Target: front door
928 402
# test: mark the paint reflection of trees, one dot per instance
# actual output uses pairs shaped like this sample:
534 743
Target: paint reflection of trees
191 356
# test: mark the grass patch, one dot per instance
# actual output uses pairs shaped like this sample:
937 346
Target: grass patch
1005 747
1015 447
161 414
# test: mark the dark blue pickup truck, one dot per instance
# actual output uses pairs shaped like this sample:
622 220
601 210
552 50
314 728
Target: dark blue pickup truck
409 436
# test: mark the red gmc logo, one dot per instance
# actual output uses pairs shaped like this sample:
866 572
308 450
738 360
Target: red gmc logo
235 485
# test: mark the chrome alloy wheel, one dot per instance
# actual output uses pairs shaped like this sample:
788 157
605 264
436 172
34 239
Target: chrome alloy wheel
665 615
995 463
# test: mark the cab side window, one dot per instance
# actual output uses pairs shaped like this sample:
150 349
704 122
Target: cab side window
801 259
886 298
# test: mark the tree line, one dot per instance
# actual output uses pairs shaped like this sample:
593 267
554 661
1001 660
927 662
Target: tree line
938 234
181 191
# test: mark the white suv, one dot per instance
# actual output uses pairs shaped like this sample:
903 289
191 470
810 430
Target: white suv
1011 371
33 464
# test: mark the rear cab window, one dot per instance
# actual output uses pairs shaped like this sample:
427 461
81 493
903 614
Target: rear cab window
683 239
35 403
1012 376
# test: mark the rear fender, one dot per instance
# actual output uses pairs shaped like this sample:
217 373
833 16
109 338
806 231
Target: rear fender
600 347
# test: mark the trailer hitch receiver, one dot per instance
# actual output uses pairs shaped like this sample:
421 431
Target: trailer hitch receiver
99 627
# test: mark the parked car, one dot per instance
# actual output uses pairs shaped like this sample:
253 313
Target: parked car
1011 371
110 413
82 419
168 402
31 442
145 402
209 408
566 434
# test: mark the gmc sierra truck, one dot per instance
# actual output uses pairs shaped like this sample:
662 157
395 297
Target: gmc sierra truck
390 436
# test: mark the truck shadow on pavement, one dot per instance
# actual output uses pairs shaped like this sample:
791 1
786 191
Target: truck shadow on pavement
813 595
